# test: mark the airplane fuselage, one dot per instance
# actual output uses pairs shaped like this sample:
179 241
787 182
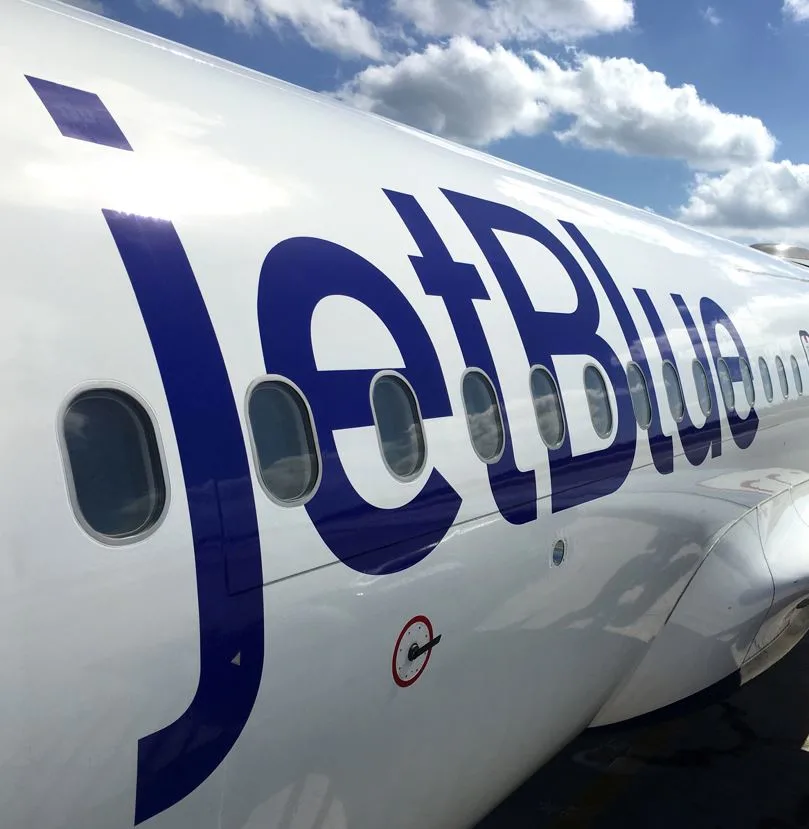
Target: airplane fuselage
398 623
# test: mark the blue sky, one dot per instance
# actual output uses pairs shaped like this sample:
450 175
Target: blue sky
696 111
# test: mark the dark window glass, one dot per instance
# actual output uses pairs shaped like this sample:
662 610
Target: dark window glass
796 373
674 391
114 463
747 381
399 426
547 407
726 384
284 440
782 376
766 380
639 393
598 401
482 415
703 390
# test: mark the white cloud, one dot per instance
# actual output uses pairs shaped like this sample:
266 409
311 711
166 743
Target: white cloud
333 25
796 9
464 91
88 5
517 19
460 91
174 6
765 200
711 16
622 105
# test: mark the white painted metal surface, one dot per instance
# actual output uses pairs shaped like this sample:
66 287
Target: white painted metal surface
669 581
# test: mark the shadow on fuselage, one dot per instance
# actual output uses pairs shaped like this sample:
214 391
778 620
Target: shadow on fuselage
737 762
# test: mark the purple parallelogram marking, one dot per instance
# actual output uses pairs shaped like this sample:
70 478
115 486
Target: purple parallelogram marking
79 114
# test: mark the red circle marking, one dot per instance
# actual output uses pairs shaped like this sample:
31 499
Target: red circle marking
406 683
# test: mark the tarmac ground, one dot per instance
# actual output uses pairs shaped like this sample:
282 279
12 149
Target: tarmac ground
740 763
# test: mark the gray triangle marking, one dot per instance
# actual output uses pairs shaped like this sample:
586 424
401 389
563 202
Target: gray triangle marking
237 660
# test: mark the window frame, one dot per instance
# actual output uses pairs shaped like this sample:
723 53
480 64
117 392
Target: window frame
768 396
681 418
122 389
729 408
750 398
783 380
278 378
695 363
563 418
645 391
374 380
796 375
475 370
598 370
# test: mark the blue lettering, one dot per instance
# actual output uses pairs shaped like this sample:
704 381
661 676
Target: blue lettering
172 762
743 429
458 284
574 479
660 444
697 441
296 275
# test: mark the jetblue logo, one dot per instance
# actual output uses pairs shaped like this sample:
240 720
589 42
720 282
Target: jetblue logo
372 540
172 762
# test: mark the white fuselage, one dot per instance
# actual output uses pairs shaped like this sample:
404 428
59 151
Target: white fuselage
198 228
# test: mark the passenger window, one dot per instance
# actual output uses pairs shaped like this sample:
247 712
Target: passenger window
703 390
639 392
796 372
598 401
284 441
398 425
674 391
547 407
782 376
747 381
726 384
765 378
482 416
115 471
